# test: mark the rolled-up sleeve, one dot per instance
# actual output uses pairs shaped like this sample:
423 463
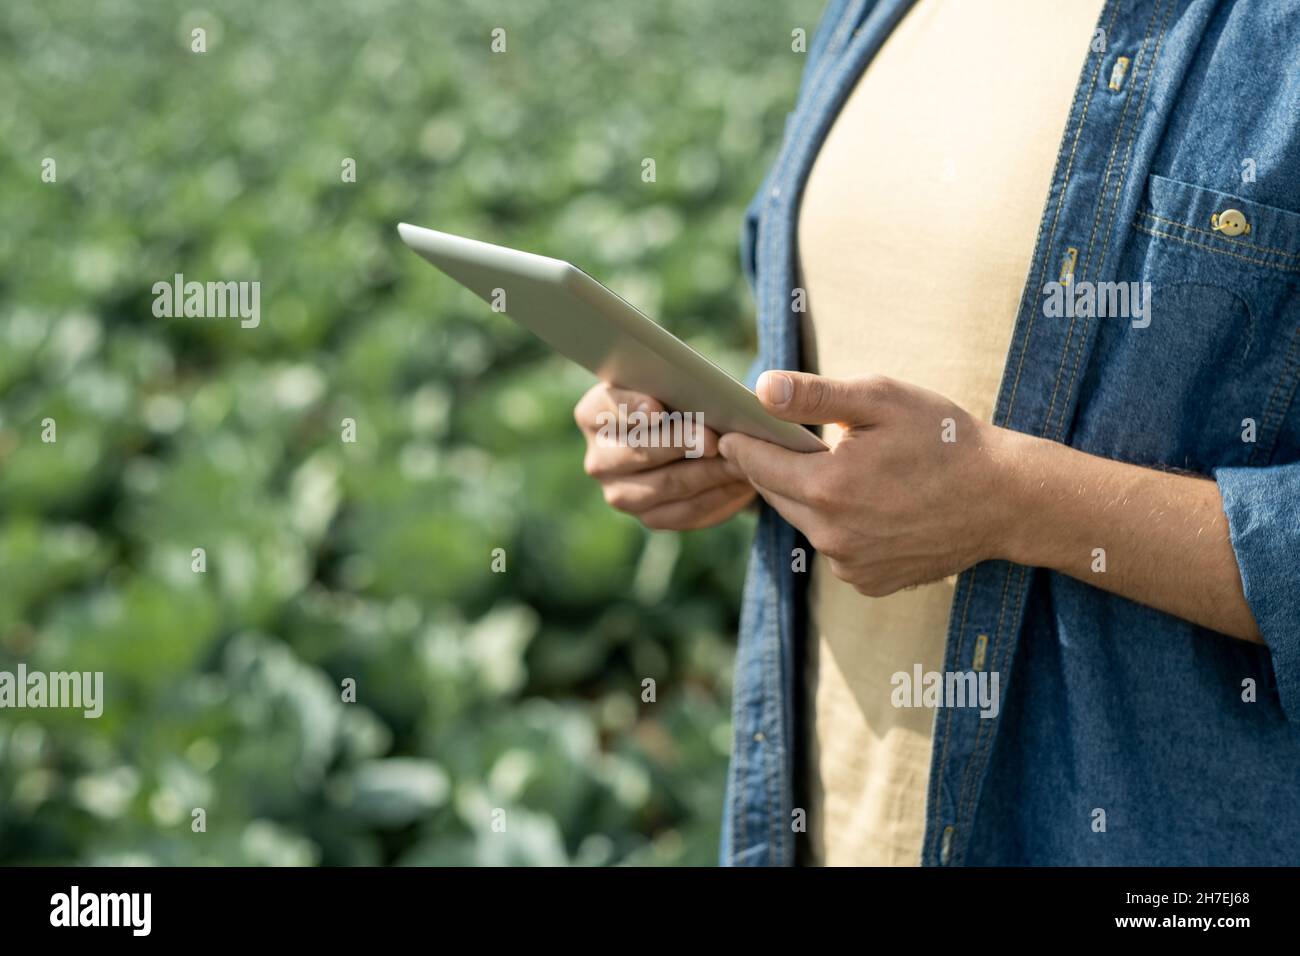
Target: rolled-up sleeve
1263 509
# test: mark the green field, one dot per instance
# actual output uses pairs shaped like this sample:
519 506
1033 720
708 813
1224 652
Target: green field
481 697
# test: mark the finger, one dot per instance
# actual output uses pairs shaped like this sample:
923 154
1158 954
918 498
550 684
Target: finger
635 401
674 482
615 448
816 400
795 512
702 511
680 430
607 459
593 402
607 398
708 440
775 468
696 440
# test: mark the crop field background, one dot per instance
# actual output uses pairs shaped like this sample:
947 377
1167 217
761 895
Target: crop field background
498 717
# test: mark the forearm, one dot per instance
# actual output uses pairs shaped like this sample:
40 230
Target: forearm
1161 537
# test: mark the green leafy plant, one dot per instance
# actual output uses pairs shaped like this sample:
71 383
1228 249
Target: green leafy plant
480 697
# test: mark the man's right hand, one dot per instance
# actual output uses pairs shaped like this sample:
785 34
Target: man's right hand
660 487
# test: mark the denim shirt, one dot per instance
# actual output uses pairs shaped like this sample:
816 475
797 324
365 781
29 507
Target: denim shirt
1185 740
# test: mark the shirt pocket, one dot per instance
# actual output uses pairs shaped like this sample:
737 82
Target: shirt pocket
1212 376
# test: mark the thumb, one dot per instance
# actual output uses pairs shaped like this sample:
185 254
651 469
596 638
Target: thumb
814 400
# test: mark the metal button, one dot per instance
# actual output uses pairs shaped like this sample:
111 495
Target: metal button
1230 222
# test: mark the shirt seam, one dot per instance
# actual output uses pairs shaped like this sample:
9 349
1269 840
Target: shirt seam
1121 178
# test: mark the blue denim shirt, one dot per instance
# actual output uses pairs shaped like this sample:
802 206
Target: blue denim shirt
1105 704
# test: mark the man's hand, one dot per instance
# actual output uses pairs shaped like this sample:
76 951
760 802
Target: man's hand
906 493
661 487
914 489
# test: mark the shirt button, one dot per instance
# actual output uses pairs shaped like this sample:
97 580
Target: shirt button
776 191
1230 222
759 737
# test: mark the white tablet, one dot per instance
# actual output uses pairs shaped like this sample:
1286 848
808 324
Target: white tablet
583 320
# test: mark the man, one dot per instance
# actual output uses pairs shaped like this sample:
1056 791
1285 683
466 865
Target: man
1040 265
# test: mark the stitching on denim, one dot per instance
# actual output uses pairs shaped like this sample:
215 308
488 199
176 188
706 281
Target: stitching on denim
1025 342
737 771
1083 270
767 285
1110 224
1048 241
1221 252
934 813
984 741
1120 126
817 94
967 771
1044 257
781 820
787 768
1220 236
1148 80
763 749
821 92
970 771
772 674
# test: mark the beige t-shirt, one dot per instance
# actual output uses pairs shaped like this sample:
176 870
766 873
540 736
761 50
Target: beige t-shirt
915 235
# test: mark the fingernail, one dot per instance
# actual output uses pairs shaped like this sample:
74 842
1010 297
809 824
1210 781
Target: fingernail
723 445
643 406
779 388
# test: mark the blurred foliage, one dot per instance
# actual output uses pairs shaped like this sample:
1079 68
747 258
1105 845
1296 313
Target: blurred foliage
476 691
